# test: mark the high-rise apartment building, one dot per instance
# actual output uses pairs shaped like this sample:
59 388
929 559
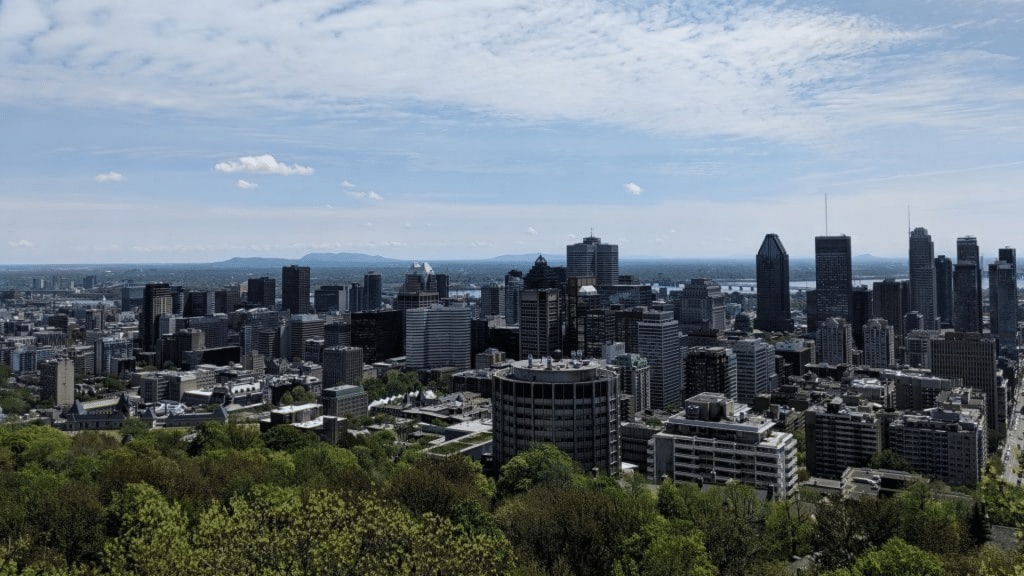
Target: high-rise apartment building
773 308
839 436
834 341
591 258
571 404
710 369
57 379
513 288
295 289
539 323
945 443
967 286
833 275
879 344
635 376
658 342
755 368
922 277
157 303
343 365
973 359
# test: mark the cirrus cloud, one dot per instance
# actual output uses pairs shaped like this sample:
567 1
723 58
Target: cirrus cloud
246 185
262 164
371 195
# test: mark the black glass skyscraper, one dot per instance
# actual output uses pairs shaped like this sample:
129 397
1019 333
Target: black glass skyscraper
157 302
922 277
967 286
773 308
833 274
295 289
944 290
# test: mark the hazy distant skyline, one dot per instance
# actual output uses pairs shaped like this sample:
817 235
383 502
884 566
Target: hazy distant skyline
195 132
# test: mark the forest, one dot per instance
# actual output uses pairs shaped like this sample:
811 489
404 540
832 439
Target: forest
227 499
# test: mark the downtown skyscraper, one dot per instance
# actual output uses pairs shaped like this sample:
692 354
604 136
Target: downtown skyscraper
967 286
833 275
591 258
1002 299
295 289
922 277
773 306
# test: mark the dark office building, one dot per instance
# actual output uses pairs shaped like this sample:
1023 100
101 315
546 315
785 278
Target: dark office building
295 289
891 298
380 334
1002 298
967 286
833 278
262 292
773 309
374 287
337 334
226 300
156 302
944 290
421 288
542 276
592 259
198 304
330 299
922 277
861 310
539 323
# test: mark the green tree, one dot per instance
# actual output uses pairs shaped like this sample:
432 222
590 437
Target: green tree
297 395
897 557
889 460
541 464
152 535
288 438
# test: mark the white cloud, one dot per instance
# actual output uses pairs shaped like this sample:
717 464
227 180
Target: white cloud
246 185
110 177
21 244
347 184
263 164
371 195
762 69
531 231
633 189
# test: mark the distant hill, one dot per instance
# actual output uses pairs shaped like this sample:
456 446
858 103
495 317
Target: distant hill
527 257
317 258
345 258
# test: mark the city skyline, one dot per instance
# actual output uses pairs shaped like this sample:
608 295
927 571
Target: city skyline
180 134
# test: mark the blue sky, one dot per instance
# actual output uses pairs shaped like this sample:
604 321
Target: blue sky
197 131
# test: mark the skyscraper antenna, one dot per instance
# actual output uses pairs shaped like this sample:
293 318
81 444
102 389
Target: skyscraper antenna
826 214
908 218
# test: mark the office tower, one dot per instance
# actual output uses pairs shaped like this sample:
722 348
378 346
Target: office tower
380 334
541 275
295 289
420 288
177 301
967 286
438 337
973 359
755 368
773 310
944 291
198 303
346 400
710 369
861 310
948 443
717 441
1002 299
701 306
443 282
260 332
840 436
579 297
796 354
922 277
513 288
658 342
889 299
301 327
833 273
635 376
333 298
571 405
593 259
374 286
227 299
57 380
492 300
917 390
110 352
356 296
337 334
214 327
879 344
157 303
262 292
834 341
539 323
343 365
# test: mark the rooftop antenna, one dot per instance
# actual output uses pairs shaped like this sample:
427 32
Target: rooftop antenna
826 214
908 218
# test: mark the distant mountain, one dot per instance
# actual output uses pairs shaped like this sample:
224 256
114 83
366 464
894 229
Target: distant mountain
316 258
345 258
527 257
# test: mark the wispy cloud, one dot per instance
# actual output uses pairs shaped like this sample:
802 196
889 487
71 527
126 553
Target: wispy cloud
110 177
247 185
347 184
263 164
764 69
633 189
371 195
21 244
531 231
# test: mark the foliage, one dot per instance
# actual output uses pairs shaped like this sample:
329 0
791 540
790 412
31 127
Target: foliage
543 464
889 460
394 383
297 395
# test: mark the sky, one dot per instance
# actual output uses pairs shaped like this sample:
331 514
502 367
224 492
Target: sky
199 131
